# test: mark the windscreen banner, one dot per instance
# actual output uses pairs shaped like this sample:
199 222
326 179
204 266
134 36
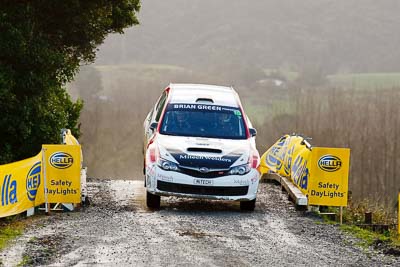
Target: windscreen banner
21 186
320 173
63 166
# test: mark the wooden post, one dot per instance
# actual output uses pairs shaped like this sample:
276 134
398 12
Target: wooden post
368 217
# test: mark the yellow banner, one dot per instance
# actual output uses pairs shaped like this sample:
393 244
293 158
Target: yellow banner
63 165
330 175
300 167
289 157
320 173
69 139
21 186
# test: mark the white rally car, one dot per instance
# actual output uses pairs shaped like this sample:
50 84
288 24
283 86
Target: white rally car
200 144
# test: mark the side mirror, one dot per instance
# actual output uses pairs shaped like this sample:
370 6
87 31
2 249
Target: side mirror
153 126
253 132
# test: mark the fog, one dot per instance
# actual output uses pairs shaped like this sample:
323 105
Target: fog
284 57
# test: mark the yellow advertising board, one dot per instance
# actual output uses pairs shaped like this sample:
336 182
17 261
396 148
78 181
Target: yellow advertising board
329 169
320 173
21 186
63 165
289 157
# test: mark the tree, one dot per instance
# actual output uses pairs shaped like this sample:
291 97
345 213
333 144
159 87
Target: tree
42 44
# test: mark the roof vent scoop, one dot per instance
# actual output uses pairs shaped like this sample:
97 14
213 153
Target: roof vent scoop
202 149
204 100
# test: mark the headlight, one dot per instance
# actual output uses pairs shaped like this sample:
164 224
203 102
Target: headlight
240 170
168 165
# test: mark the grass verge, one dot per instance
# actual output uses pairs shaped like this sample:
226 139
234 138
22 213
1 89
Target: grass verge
367 238
9 230
388 242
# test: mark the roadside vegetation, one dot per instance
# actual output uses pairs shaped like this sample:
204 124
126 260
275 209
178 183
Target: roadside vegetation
10 228
42 45
382 234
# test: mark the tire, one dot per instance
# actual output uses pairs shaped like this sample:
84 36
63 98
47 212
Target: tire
248 205
152 201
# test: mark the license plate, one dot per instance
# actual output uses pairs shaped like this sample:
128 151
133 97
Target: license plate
203 182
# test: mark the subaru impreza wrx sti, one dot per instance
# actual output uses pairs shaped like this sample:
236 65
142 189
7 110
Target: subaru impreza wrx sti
200 144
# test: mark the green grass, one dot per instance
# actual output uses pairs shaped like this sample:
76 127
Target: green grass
10 232
26 260
366 80
352 216
351 80
367 238
258 112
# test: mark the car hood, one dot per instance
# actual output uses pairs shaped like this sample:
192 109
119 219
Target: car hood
198 152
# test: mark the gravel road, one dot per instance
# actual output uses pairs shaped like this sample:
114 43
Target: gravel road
117 229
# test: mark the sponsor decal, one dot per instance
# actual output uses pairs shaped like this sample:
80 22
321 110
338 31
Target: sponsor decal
300 172
329 163
165 178
33 180
237 112
254 179
196 157
61 187
329 190
205 107
202 144
198 107
276 155
288 164
203 182
63 192
61 160
241 181
212 162
9 191
151 170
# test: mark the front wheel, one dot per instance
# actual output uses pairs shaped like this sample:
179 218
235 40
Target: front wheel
248 205
152 201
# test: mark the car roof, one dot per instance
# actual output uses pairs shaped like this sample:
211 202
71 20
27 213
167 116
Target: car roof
203 93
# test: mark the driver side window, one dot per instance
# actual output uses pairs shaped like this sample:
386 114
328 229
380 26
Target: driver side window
160 106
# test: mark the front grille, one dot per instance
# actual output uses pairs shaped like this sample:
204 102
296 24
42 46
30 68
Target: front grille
211 174
203 190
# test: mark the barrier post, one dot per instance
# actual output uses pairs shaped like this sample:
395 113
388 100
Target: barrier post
46 202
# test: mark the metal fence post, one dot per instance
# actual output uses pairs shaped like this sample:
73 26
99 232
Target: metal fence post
46 202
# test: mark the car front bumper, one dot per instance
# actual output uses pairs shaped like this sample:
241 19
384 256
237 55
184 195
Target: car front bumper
231 187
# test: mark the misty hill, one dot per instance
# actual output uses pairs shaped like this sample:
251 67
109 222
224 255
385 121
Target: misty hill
336 36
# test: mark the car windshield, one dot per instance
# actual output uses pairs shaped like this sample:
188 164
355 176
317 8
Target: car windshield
203 121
